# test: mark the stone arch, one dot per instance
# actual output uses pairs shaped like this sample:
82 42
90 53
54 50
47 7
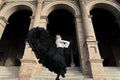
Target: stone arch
8 10
61 5
6 13
108 5
48 8
11 8
74 9
112 43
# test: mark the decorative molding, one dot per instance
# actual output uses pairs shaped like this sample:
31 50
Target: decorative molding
4 19
43 17
91 42
2 25
78 18
96 60
93 48
28 61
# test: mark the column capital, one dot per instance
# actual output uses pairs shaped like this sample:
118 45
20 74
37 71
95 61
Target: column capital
43 17
78 18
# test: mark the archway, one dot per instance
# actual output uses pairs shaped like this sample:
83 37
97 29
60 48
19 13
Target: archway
13 38
61 21
107 33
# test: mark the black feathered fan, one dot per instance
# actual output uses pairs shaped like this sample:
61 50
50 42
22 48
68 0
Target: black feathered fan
38 39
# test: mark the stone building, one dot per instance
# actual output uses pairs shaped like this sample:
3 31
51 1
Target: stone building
92 26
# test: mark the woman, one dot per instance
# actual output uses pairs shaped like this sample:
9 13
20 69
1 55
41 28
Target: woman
59 57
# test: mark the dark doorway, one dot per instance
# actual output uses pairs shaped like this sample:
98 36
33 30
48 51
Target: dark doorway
13 38
62 22
107 33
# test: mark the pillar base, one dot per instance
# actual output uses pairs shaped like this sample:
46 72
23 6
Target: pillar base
97 69
27 68
37 69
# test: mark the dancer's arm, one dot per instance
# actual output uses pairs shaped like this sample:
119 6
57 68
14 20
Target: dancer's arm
66 43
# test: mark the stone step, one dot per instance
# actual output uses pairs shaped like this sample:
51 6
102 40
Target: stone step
60 79
66 78
9 78
9 69
112 73
88 79
9 73
53 78
113 78
73 73
53 75
112 70
70 72
68 68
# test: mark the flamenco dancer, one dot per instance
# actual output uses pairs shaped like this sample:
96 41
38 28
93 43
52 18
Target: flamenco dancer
38 39
61 44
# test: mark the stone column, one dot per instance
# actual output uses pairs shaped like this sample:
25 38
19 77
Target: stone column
29 63
43 22
81 47
3 23
95 61
38 13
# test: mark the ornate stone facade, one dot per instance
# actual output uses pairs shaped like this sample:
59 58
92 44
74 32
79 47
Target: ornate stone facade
90 58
